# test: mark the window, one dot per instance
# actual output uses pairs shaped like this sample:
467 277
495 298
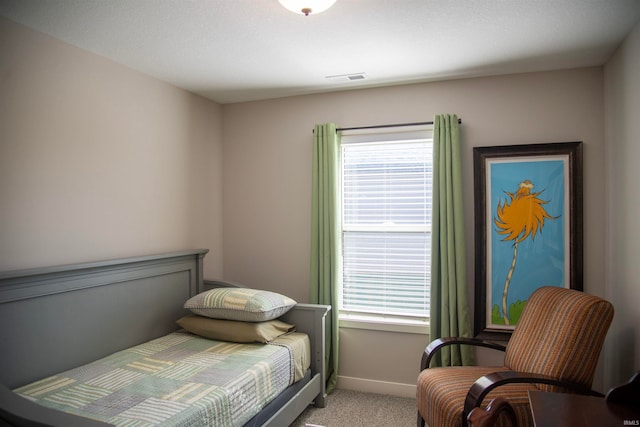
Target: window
386 227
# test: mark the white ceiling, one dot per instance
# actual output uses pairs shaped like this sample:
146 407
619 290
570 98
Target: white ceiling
243 50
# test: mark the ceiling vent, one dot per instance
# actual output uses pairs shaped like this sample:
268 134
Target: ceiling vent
347 77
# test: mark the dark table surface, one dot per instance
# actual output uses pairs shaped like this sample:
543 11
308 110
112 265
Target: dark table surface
565 409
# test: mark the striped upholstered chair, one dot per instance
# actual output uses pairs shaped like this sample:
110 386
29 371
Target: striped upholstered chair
554 347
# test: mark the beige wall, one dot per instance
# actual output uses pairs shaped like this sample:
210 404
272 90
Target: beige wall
98 161
267 177
622 94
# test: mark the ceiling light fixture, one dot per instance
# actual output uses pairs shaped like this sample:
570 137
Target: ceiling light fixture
307 7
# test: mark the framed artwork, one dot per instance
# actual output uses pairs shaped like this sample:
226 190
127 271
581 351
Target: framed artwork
528 228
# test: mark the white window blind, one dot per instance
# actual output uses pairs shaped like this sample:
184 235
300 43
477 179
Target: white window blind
386 225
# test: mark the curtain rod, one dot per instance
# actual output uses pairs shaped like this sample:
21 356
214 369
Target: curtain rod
388 126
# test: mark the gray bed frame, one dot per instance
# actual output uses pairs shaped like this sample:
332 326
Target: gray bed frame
57 318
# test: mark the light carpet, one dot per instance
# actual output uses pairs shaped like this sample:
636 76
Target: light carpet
346 408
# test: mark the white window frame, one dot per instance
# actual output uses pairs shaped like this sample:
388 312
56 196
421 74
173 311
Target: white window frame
379 322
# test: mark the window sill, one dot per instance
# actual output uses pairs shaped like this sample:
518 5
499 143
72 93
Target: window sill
374 323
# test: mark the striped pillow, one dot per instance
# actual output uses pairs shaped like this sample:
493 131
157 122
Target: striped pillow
243 304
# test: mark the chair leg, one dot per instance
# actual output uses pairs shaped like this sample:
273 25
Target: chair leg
420 420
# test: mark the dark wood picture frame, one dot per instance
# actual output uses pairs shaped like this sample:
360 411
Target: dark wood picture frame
520 192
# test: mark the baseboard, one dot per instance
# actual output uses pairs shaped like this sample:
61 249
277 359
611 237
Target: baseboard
375 386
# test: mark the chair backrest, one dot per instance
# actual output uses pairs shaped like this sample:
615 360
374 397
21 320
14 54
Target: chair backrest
560 333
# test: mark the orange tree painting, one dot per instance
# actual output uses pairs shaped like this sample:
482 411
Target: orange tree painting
524 255
528 228
517 219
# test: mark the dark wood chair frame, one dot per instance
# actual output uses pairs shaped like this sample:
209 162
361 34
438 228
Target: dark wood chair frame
488 417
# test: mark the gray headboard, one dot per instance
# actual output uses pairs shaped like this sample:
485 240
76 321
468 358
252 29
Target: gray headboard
56 318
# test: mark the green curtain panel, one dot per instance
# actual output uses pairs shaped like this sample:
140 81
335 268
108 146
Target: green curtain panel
449 315
325 236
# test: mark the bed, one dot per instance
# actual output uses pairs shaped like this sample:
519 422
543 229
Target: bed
119 317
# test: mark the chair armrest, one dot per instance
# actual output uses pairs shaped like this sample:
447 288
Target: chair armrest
15 410
489 416
437 344
485 384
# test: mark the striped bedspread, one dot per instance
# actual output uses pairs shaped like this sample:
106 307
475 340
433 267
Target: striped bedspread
178 380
